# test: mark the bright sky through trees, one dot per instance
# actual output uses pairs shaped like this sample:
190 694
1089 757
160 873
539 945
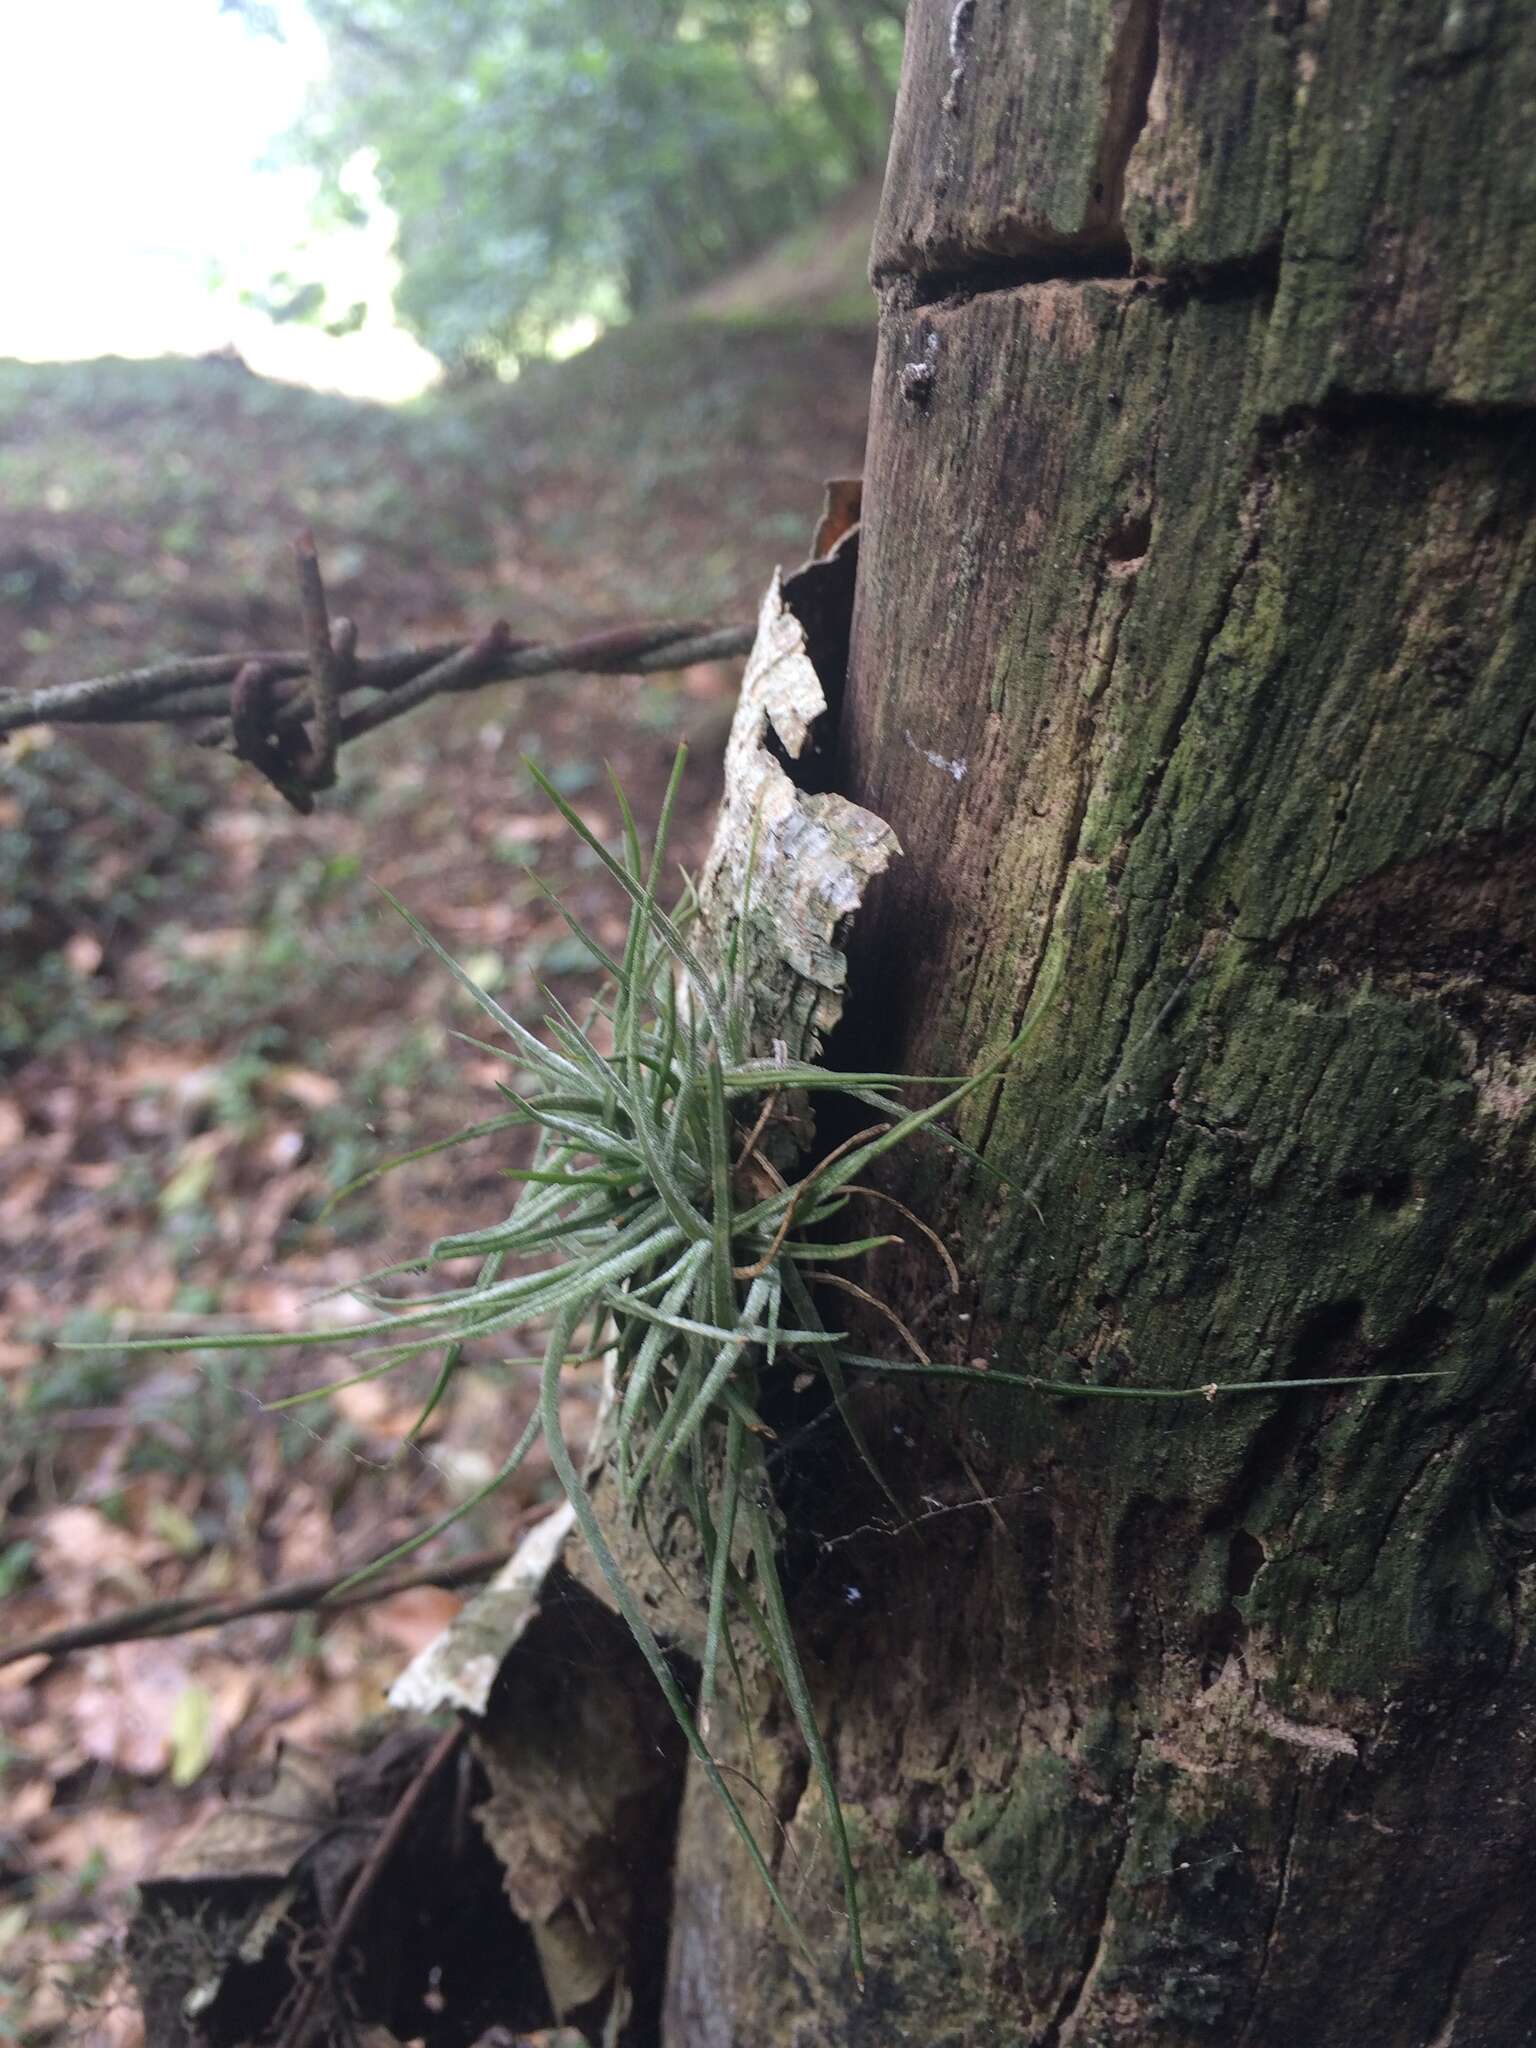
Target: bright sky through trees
136 207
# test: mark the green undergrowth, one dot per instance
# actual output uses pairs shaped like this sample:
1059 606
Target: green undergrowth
653 1228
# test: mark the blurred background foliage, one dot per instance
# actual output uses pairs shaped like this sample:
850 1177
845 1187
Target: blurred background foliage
210 1023
557 163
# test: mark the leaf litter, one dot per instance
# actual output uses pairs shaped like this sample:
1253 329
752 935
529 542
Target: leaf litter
221 1028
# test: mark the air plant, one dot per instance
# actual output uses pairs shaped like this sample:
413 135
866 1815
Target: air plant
672 1244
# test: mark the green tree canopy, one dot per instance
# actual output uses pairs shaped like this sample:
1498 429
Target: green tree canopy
548 159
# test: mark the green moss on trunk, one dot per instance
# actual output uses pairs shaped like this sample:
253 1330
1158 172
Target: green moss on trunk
1195 649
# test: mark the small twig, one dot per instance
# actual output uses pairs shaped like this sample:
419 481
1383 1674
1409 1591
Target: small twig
300 2022
181 1616
628 650
755 1271
840 1151
760 1266
983 1498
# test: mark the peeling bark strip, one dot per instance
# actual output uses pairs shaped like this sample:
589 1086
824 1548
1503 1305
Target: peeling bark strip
796 859
1200 525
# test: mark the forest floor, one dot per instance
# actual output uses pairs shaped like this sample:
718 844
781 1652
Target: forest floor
210 1022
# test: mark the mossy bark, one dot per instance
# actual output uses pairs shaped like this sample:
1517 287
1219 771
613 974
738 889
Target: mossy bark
1194 665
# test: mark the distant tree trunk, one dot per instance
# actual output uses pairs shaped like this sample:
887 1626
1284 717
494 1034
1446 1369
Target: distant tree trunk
851 120
1194 648
851 20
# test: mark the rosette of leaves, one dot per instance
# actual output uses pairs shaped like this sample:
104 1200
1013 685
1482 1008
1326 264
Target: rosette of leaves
661 1235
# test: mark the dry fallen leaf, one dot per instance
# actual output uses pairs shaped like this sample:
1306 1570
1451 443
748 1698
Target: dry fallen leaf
22 1202
314 1091
80 1551
414 1618
124 1712
83 952
13 1124
373 1407
13 1677
28 1804
194 1734
223 945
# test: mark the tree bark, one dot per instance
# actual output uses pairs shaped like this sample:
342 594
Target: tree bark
1194 664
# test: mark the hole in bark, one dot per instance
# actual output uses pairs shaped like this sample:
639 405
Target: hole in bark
1326 1341
1245 1560
1423 1335
1220 1643
1511 1265
920 1831
1386 1191
777 751
439 1962
1127 540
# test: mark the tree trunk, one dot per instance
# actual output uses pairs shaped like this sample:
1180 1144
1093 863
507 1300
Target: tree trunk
1193 665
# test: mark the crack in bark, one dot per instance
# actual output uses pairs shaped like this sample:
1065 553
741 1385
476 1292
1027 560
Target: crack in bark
786 1807
1132 71
1398 413
1445 2032
1073 2004
1431 1458
1099 247
1088 724
1256 496
1282 1889
982 276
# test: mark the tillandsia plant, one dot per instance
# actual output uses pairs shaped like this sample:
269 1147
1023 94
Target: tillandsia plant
673 1245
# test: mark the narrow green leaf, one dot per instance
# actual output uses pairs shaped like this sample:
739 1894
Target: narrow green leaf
645 1639
663 924
1074 1390
464 1137
798 1692
467 1506
537 1054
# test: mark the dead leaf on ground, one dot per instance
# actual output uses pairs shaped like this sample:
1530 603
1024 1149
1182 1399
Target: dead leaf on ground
83 952
410 1620
314 1091
81 1552
373 1407
124 1712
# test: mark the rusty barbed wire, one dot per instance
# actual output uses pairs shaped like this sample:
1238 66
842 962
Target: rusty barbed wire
281 710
